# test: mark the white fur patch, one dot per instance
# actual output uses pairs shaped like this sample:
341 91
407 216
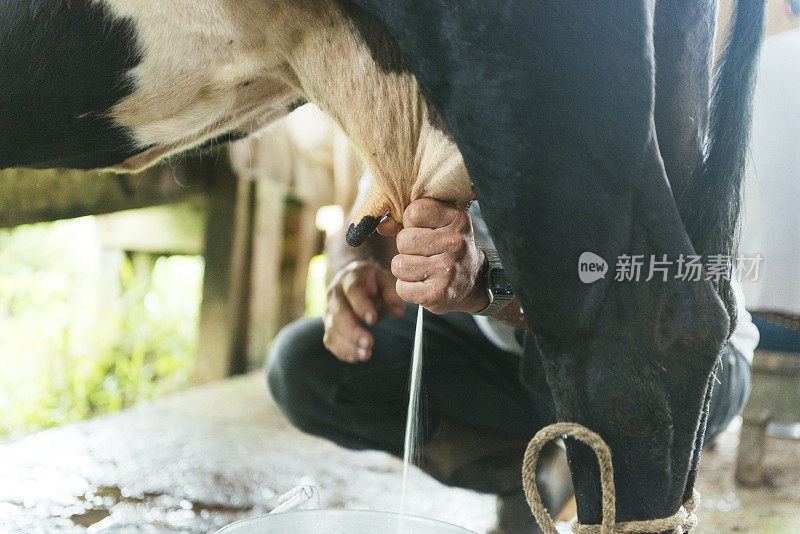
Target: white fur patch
210 66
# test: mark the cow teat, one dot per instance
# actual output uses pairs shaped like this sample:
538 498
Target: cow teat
438 172
358 233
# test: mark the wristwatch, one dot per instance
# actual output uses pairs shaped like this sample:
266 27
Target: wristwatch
497 284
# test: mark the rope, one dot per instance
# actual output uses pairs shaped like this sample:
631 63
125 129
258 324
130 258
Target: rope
682 521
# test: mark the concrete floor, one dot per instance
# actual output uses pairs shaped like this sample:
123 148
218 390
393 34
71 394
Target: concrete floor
197 460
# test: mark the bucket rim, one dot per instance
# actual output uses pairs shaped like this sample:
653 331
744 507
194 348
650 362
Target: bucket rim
339 511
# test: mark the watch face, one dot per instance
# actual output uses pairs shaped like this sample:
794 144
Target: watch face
499 284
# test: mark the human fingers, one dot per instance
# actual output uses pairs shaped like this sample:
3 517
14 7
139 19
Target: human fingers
428 242
429 213
360 289
388 226
432 294
344 335
392 302
413 268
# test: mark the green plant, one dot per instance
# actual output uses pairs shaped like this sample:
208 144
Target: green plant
70 347
315 286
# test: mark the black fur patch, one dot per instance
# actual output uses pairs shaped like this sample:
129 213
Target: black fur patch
381 45
710 204
436 120
384 50
63 66
227 137
296 104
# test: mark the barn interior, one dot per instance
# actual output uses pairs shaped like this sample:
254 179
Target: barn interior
137 312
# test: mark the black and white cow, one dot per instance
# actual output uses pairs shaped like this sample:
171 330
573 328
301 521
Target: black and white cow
123 83
580 124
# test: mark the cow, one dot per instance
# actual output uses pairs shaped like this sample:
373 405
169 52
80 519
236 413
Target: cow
580 126
120 84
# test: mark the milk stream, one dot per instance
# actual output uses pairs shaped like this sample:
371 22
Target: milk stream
411 442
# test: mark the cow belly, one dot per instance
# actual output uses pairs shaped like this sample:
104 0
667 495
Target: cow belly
207 68
219 65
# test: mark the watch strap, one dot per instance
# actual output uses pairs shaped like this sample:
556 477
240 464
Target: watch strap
495 305
496 302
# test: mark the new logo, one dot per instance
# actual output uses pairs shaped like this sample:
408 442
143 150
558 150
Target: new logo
591 267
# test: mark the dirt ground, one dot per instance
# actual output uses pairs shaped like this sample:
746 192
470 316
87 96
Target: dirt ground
772 509
198 460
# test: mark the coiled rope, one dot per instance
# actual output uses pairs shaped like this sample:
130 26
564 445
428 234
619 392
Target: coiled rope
682 521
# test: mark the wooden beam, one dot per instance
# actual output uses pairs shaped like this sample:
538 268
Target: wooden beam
161 230
30 196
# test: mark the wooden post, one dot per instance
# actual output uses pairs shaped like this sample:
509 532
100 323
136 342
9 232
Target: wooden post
774 398
749 470
265 303
307 244
223 317
267 161
143 264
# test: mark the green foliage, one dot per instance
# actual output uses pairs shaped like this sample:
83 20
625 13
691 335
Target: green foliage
316 286
78 339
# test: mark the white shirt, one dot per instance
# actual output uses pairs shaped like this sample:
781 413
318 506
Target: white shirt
771 202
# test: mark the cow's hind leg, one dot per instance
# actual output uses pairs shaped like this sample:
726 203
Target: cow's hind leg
342 60
552 108
683 38
705 179
628 359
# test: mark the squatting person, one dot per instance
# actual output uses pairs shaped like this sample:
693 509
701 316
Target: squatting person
345 377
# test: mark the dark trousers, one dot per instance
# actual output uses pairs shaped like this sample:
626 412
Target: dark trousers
466 379
776 336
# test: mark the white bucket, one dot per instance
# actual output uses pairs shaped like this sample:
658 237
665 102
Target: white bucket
297 514
340 522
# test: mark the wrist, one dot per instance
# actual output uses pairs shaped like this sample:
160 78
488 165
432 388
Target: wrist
498 287
353 266
480 297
